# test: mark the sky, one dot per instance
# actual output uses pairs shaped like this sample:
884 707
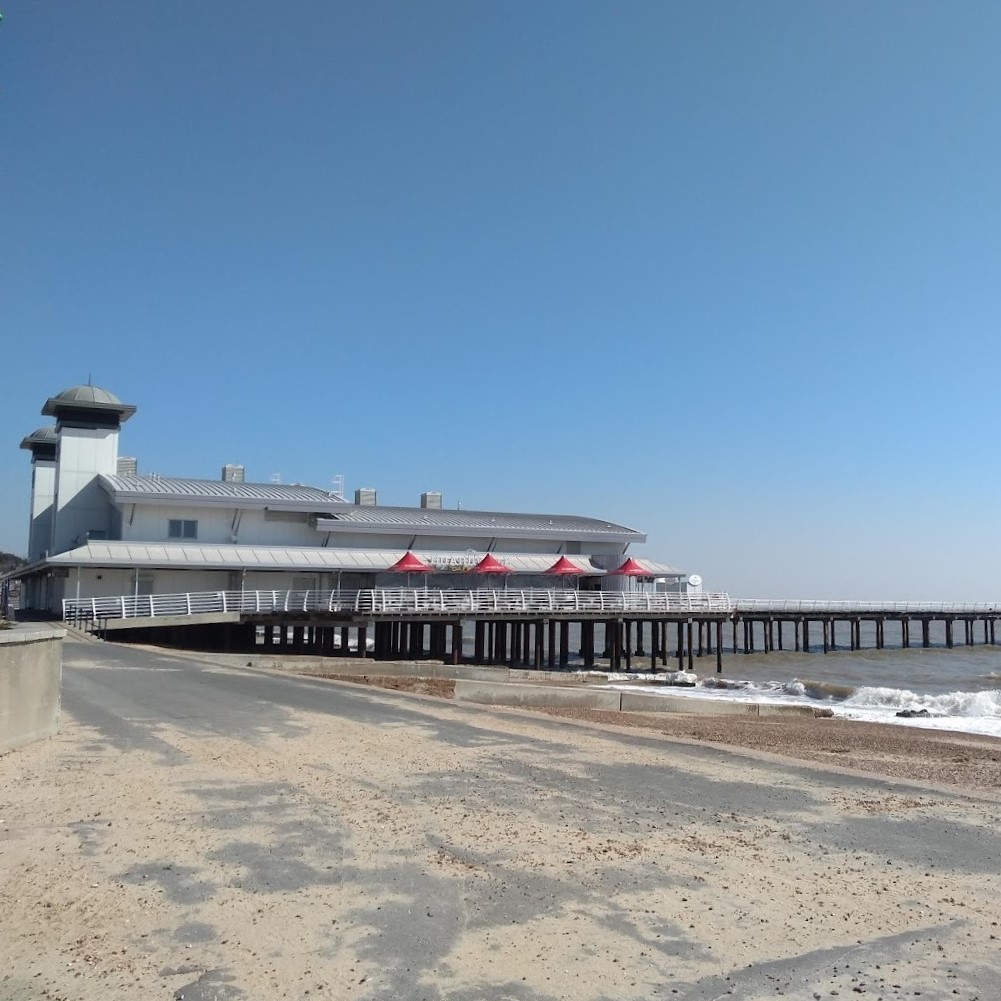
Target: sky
727 273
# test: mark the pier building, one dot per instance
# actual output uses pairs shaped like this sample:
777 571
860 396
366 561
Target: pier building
102 527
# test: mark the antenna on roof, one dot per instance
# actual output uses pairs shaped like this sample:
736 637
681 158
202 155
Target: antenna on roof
338 483
276 477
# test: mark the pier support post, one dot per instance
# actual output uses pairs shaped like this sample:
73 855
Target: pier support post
948 633
719 647
806 635
587 642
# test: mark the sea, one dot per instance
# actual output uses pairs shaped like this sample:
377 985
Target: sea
958 688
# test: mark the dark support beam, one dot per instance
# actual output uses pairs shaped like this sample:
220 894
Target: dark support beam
587 642
565 643
719 647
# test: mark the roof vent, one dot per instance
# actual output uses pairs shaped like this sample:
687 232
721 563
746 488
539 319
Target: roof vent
366 497
431 500
127 466
232 473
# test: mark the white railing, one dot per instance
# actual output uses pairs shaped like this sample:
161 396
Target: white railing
766 606
395 601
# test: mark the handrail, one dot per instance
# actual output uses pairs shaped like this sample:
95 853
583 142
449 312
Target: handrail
396 601
742 606
489 603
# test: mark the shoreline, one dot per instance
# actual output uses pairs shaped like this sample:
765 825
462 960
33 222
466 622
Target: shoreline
937 757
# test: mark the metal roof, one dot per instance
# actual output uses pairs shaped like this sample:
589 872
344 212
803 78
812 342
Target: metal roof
207 557
87 398
41 436
658 569
88 395
424 521
342 516
151 489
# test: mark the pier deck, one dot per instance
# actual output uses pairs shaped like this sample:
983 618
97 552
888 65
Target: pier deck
517 626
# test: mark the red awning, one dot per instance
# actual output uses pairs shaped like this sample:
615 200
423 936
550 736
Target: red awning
490 564
408 563
564 568
630 569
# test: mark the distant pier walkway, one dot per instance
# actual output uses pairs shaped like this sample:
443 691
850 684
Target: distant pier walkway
530 627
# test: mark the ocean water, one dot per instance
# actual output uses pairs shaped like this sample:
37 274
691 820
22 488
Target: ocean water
960 687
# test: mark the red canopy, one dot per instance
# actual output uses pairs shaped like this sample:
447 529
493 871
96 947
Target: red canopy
490 564
565 568
408 563
631 569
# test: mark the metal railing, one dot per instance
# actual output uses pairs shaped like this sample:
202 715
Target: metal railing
766 606
396 601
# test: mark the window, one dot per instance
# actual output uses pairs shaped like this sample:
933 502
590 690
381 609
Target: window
177 529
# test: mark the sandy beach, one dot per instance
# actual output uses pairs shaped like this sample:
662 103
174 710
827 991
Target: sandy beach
201 832
935 757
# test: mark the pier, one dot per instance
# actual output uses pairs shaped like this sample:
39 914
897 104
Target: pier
630 630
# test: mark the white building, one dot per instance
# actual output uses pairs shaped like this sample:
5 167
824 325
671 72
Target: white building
100 528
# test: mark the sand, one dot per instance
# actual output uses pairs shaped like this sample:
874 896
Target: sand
941 758
344 860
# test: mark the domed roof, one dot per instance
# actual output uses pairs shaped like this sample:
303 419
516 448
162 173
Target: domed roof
88 394
82 400
43 437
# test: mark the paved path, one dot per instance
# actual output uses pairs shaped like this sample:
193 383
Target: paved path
204 832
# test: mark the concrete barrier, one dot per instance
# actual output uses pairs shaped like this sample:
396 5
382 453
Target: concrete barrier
637 702
493 693
31 663
529 696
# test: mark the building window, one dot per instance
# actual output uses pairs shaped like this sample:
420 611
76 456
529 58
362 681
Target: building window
177 529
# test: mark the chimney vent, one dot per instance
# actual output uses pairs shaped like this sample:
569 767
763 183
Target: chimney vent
127 466
232 473
431 500
366 497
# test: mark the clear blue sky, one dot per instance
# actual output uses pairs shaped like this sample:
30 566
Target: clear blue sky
726 272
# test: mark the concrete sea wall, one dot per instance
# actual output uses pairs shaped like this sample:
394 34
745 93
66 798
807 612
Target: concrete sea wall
31 662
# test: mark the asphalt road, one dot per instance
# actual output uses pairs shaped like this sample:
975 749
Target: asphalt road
637 787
